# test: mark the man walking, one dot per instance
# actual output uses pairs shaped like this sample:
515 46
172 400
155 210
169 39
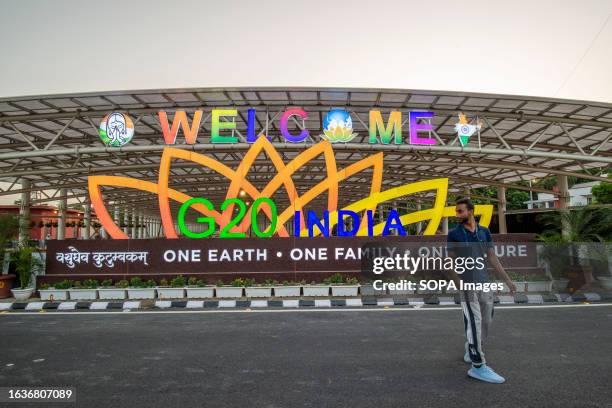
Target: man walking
471 240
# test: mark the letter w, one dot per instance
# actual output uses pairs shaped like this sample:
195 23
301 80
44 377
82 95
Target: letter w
180 119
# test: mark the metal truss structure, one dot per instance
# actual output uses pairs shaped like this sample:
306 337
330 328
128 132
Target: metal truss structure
52 141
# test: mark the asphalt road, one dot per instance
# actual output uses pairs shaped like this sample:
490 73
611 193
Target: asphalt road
551 357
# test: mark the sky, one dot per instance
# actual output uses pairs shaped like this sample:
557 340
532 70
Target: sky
560 49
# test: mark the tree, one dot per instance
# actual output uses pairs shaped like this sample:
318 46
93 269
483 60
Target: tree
515 199
9 228
602 193
582 224
26 264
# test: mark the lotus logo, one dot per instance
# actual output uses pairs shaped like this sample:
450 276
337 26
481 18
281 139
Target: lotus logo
282 182
338 126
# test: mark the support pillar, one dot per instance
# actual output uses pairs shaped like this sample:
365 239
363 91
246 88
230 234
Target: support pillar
117 215
134 222
445 226
395 231
62 206
501 209
419 226
138 225
126 220
563 202
86 232
161 231
24 213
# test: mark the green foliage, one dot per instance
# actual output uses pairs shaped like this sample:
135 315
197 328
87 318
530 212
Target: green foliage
515 199
123 283
602 193
193 281
107 283
163 282
90 283
25 264
339 279
583 225
293 283
536 277
271 282
136 282
44 286
149 283
178 281
556 254
352 281
238 282
515 276
547 183
487 192
65 284
527 277
9 228
336 278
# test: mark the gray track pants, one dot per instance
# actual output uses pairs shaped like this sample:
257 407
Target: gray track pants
477 316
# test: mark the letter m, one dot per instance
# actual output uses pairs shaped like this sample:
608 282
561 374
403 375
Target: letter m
394 127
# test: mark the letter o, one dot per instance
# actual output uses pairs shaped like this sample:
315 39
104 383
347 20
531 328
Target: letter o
299 252
172 253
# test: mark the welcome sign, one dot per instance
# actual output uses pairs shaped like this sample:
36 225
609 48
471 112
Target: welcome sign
337 126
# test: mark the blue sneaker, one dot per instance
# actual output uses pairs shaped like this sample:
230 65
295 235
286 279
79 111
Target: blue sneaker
485 373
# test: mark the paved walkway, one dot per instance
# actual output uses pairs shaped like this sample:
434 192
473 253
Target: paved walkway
552 356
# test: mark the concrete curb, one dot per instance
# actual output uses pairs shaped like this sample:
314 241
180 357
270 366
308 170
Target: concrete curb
429 300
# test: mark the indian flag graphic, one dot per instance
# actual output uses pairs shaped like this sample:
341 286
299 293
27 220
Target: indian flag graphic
465 130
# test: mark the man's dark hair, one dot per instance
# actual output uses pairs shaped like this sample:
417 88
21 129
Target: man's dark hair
468 203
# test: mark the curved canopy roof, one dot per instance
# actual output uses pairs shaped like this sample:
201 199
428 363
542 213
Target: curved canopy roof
53 141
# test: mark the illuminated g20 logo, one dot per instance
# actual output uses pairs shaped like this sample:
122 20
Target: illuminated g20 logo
116 129
235 223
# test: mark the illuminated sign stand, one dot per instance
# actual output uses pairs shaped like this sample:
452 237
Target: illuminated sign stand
337 128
